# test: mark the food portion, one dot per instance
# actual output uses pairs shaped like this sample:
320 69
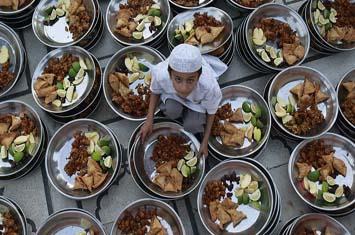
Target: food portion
201 30
236 126
8 224
327 230
74 13
335 20
251 3
300 113
187 3
90 160
321 174
130 86
138 19
348 104
277 43
14 4
224 196
18 138
143 222
6 76
57 84
175 164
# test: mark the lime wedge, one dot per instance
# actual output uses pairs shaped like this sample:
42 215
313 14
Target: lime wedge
253 186
330 180
329 197
186 171
108 162
19 148
255 196
192 162
189 156
181 162
193 169
245 199
3 152
30 148
18 156
339 191
245 181
246 107
239 192
255 205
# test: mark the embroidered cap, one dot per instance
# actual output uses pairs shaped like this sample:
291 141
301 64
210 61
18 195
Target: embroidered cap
185 58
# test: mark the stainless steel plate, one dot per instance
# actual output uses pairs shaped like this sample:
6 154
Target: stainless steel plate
201 3
317 222
59 149
256 220
284 14
8 206
166 215
287 79
148 36
344 150
240 6
142 153
236 95
58 35
6 11
16 107
83 89
70 221
146 56
220 15
342 93
10 39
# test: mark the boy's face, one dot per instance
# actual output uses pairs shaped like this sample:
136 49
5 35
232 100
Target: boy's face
184 83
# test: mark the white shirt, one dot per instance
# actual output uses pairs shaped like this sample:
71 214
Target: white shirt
205 97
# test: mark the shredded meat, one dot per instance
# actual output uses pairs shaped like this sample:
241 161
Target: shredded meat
60 66
138 223
348 107
251 3
169 148
137 6
214 190
6 76
79 19
187 3
201 20
313 153
224 112
345 10
9 226
79 156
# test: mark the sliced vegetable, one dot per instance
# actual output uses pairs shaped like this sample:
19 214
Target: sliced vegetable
181 162
313 176
108 162
329 197
255 196
185 171
245 181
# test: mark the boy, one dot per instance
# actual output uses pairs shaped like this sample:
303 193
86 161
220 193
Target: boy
187 85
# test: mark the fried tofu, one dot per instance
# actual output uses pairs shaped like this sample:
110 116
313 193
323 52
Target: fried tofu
227 204
92 179
309 87
223 216
321 97
303 169
236 216
119 83
169 179
339 166
236 138
297 90
237 116
155 227
213 210
349 86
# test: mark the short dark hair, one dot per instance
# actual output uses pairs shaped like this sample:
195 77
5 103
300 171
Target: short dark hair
198 71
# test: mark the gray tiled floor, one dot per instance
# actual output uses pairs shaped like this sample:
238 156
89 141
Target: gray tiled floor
38 199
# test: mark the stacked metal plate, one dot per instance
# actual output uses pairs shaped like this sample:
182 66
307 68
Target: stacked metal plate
166 215
345 125
147 56
140 159
17 56
8 205
19 18
59 148
71 221
245 6
148 37
222 47
316 27
178 6
262 214
236 95
10 168
57 35
279 87
89 90
251 54
315 224
321 198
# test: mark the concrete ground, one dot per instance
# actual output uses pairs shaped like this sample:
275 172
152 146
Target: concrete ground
39 199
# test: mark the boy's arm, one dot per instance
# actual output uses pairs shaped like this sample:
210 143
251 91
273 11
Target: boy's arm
208 127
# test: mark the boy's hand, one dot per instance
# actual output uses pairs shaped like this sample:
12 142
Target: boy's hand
204 148
146 130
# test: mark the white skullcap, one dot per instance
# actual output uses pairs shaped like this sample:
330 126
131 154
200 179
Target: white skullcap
185 58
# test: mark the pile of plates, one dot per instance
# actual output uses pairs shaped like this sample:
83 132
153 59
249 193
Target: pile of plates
18 19
344 124
262 221
8 205
145 55
280 85
71 221
224 49
89 92
236 95
345 151
178 8
57 35
168 218
152 39
59 149
244 42
316 223
142 166
318 42
7 170
238 5
17 54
